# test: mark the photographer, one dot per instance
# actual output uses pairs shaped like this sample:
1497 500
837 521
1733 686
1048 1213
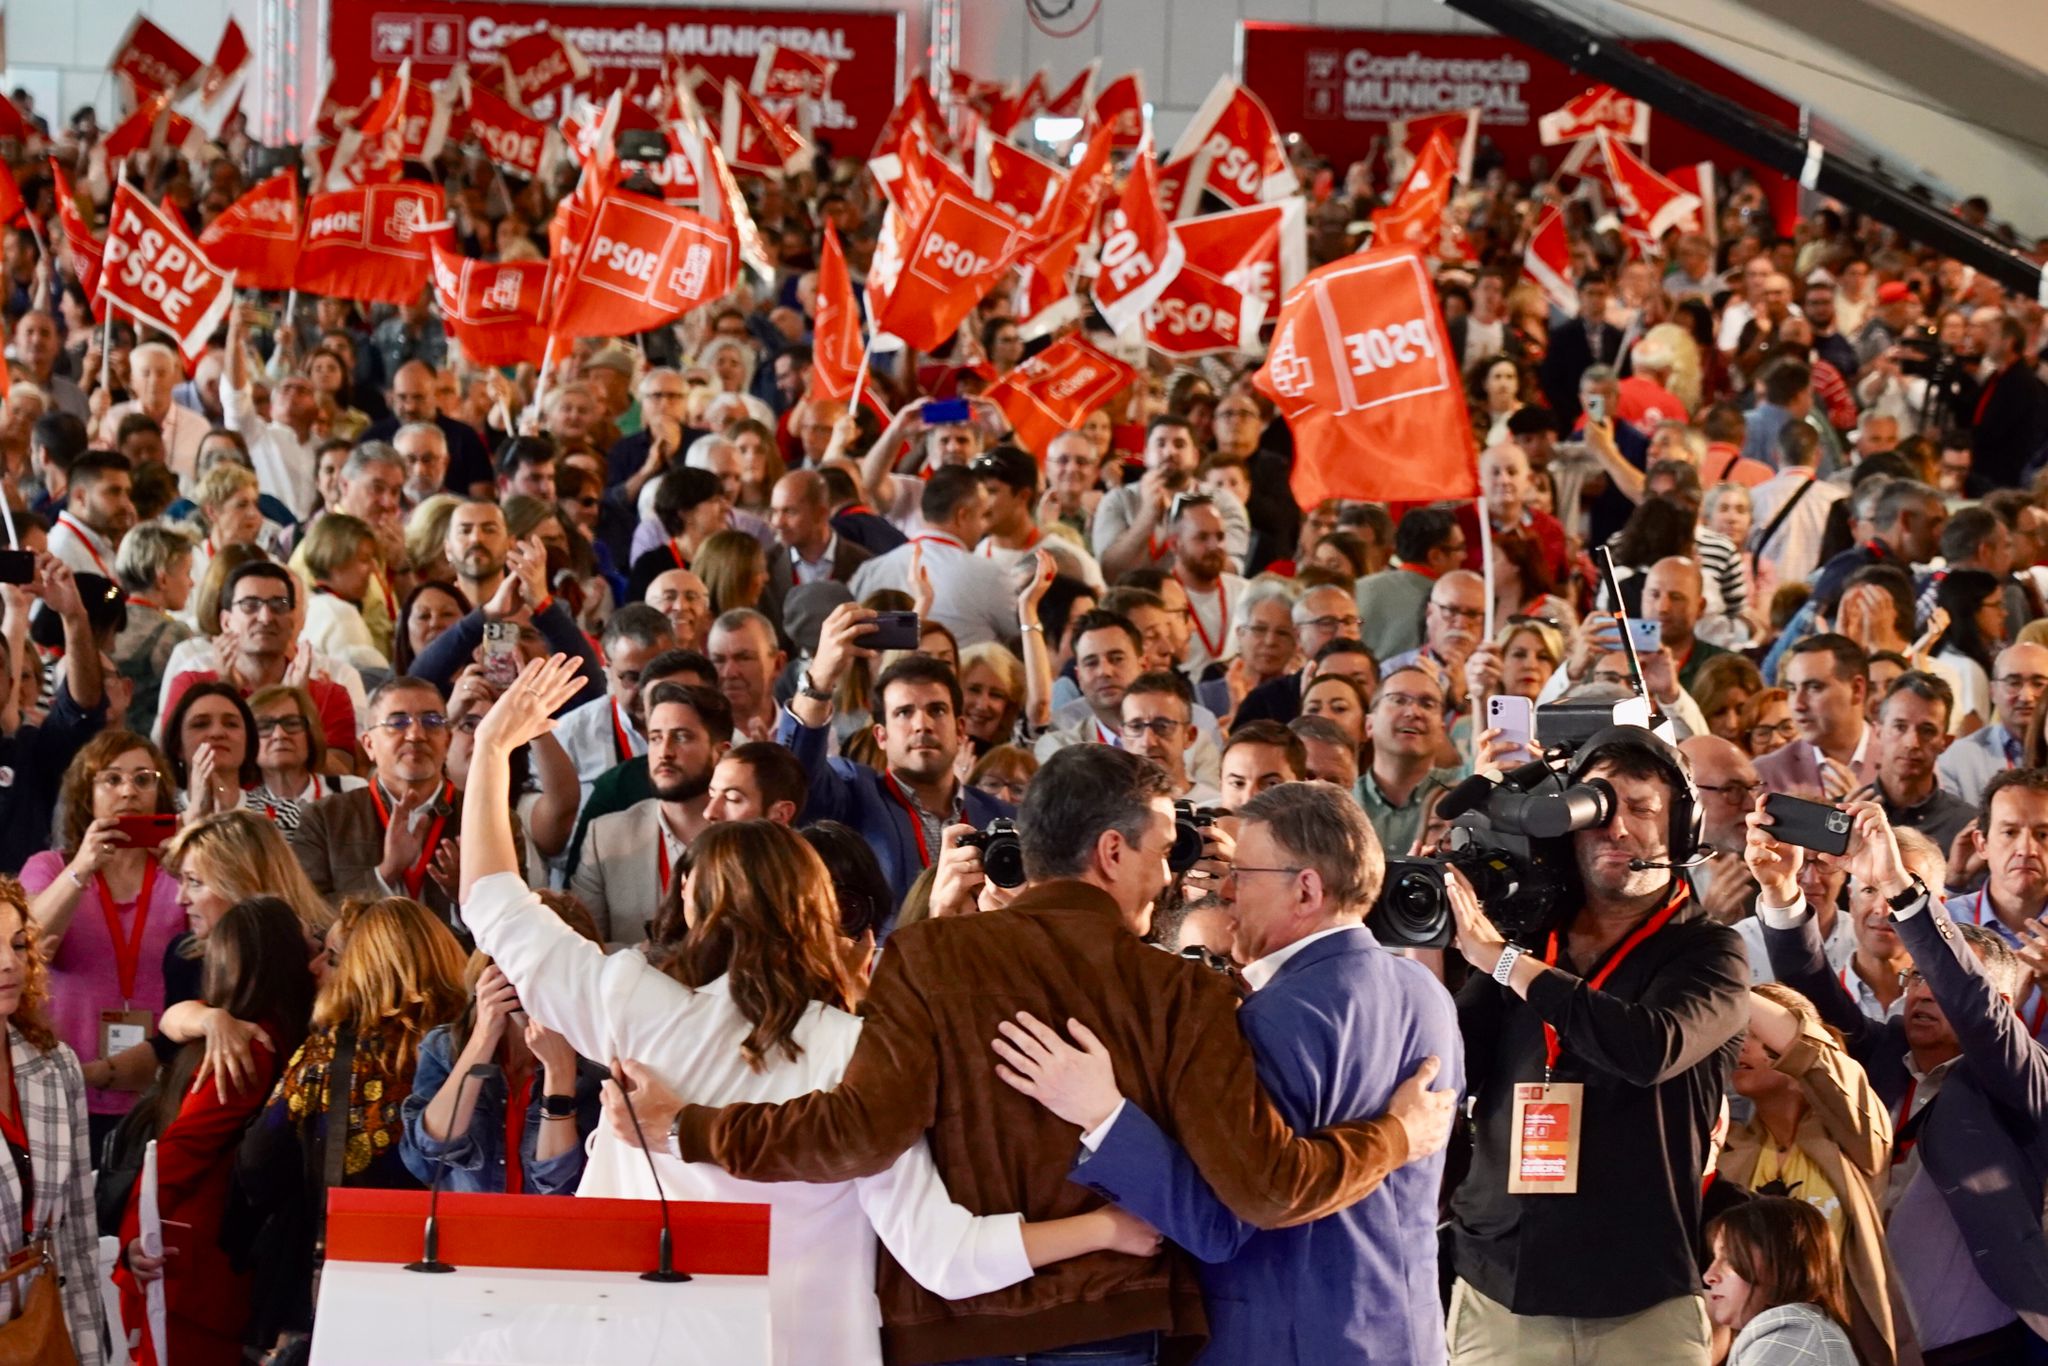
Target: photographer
1620 1022
1968 1091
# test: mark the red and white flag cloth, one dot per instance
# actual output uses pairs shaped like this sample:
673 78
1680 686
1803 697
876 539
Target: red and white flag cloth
257 236
916 106
515 143
643 263
1586 114
1548 261
1238 264
1649 204
1406 139
1008 175
152 61
1139 255
1416 216
1045 297
159 276
835 334
1231 149
492 308
1073 100
81 248
1053 391
1697 180
785 73
754 140
153 127
347 95
410 118
1361 368
540 64
12 124
370 242
1121 106
948 262
722 201
220 85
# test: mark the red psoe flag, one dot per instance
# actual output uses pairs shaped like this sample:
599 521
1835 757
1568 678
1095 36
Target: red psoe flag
540 64
160 276
1600 107
1233 272
782 73
1121 106
1073 99
835 335
1008 175
492 307
1416 217
153 61
515 143
152 127
80 246
257 236
1139 255
644 263
954 256
1406 139
1548 261
1697 180
1231 149
1649 204
1053 391
11 204
1361 368
229 57
755 140
370 242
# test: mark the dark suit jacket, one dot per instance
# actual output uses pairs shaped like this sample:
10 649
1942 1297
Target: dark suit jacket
1276 699
468 462
870 531
2011 427
1569 356
846 557
340 842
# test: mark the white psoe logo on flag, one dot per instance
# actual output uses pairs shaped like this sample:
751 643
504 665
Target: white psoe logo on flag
1292 373
404 220
504 291
688 278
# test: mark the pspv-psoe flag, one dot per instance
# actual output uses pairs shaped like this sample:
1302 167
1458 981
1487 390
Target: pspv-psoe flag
1361 368
257 236
781 73
1053 391
643 264
370 242
1219 299
492 307
159 275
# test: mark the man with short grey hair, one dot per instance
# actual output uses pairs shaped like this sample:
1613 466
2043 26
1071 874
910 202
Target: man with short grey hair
425 449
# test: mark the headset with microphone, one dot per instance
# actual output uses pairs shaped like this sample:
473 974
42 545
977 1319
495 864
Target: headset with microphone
1687 828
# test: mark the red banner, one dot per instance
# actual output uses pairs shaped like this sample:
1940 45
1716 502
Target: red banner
1072 100
370 242
153 60
1121 106
1230 150
492 308
230 55
1416 217
644 263
1649 204
1220 297
1340 87
541 63
1139 255
514 142
152 127
1008 175
1053 391
623 40
1548 262
951 259
1361 368
257 236
159 276
835 337
1590 111
784 73
81 247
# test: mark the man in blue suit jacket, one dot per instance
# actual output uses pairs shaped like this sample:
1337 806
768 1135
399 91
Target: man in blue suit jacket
902 812
1335 1022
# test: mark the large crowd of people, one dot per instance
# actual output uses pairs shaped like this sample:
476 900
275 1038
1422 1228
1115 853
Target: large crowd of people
972 850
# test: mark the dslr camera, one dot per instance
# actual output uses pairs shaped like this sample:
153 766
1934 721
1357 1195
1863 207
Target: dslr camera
1002 853
1189 821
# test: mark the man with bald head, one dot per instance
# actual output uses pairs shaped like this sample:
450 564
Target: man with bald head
1728 786
807 549
681 596
1453 620
415 397
1531 539
2019 680
1674 592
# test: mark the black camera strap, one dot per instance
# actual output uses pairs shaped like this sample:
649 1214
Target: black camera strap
1778 521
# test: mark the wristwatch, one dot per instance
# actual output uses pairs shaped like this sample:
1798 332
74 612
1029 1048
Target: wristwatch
806 688
1505 967
675 1137
1915 889
558 1107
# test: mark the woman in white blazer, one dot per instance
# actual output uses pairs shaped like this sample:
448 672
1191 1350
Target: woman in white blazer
766 1022
42 1122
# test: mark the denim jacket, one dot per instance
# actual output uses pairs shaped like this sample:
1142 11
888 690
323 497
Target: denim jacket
476 1160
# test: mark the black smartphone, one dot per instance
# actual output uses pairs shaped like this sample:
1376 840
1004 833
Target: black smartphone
17 566
641 144
943 410
1808 824
891 631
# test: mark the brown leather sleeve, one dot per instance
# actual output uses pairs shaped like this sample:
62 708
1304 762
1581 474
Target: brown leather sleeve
1265 1172
885 1101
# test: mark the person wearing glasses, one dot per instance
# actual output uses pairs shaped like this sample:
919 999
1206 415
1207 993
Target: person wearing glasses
395 836
1453 623
291 754
1158 722
1406 727
257 644
1728 785
2019 679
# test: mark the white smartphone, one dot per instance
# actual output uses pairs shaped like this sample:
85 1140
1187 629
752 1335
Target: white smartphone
1647 634
1513 717
1596 407
501 653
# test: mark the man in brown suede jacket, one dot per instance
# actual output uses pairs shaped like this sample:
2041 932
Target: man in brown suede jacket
1096 825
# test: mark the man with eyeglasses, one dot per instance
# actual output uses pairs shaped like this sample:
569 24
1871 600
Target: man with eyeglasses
2019 680
636 458
1453 620
257 644
1728 787
1318 618
1428 545
1407 728
395 837
414 399
425 448
1158 723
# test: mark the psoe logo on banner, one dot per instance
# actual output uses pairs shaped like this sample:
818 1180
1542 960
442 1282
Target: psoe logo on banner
1371 329
398 35
1370 87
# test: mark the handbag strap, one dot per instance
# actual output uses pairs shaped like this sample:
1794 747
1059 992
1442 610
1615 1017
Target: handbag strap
1783 512
334 1129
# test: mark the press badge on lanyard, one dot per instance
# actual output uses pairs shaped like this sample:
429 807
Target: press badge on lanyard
1543 1158
125 1028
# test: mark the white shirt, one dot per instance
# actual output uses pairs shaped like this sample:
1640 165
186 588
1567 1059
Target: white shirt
1260 971
821 1281
1212 635
590 735
335 627
1794 551
971 597
284 464
819 570
84 550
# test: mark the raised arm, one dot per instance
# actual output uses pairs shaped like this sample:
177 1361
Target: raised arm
1037 650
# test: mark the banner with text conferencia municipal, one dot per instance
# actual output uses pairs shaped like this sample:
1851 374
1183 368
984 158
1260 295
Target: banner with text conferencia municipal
622 40
1339 88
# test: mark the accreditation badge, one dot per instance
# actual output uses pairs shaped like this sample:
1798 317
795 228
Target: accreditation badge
1543 1156
121 1030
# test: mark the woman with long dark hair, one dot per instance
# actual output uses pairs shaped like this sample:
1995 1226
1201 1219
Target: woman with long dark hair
1975 603
753 1005
1776 1284
256 972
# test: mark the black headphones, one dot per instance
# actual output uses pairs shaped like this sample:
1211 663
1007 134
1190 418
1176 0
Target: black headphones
1688 822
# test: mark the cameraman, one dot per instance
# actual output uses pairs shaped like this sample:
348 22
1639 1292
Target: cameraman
1631 1007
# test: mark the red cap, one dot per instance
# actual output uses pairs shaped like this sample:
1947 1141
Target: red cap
1893 292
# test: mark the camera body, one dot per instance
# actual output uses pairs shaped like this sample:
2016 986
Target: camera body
1189 821
1923 354
1002 853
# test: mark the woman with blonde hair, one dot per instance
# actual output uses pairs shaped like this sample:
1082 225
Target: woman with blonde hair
394 975
1676 343
992 696
227 498
342 556
426 537
734 569
45 1128
753 1005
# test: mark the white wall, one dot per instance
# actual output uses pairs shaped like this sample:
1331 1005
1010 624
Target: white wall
62 46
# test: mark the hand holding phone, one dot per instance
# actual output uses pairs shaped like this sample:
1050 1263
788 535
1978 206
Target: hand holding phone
1647 634
892 631
1808 824
1514 717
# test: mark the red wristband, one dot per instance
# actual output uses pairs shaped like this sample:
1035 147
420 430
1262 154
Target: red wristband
544 604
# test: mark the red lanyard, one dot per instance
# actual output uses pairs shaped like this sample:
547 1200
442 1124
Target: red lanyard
895 789
128 953
1217 646
1899 1122
934 538
517 1102
415 876
619 732
988 552
1553 1047
661 853
675 552
1984 399
85 539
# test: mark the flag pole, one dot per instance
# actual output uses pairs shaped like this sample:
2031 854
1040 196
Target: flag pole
540 384
1486 556
860 380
